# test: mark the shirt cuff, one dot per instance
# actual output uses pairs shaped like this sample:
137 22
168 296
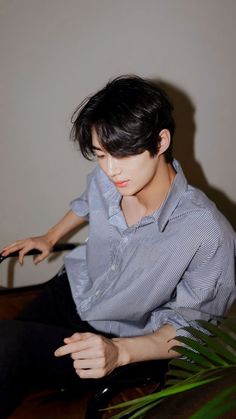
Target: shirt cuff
179 320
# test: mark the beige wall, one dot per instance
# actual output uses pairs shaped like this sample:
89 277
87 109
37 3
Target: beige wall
54 52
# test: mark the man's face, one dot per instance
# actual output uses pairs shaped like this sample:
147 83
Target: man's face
129 174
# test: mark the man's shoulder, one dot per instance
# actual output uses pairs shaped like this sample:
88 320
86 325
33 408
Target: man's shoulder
202 214
195 200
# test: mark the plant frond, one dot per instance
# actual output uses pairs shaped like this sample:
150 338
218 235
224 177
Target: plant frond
176 372
203 350
134 409
156 398
205 357
225 357
211 373
185 365
220 332
173 381
193 356
219 405
141 412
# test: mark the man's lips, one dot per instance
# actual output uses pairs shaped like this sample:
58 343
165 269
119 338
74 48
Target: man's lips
121 184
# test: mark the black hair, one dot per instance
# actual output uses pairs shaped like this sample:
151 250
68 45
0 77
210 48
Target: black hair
128 115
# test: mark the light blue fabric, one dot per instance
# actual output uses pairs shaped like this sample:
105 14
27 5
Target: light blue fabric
172 267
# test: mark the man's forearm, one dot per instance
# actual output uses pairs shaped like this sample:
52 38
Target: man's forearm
68 223
156 345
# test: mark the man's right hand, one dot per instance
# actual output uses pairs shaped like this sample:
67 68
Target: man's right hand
41 243
46 242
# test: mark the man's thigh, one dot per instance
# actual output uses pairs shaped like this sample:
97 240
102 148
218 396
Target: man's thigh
55 306
27 350
27 361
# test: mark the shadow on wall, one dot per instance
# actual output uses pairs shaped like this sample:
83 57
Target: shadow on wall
184 151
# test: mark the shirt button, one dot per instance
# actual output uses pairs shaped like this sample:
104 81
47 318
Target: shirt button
113 267
125 239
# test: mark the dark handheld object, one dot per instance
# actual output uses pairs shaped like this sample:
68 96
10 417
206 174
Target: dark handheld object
57 248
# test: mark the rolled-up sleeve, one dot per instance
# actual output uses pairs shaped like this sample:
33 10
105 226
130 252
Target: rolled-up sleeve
206 290
80 205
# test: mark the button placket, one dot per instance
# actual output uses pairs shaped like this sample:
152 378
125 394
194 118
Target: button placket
120 248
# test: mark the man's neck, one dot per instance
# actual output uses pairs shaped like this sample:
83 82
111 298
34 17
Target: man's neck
153 195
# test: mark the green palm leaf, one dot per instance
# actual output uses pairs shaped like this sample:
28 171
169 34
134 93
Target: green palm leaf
201 349
179 373
185 365
219 405
193 356
173 381
144 410
225 357
148 401
207 356
217 331
134 409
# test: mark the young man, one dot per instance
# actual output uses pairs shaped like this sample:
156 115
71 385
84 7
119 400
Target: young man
159 254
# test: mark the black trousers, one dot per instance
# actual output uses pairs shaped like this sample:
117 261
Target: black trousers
27 345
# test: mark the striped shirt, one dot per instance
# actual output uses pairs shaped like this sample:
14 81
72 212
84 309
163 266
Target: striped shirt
172 267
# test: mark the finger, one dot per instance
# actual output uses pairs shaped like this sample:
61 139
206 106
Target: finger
69 348
90 353
76 346
92 373
64 350
78 336
93 363
72 338
16 247
41 257
22 253
86 342
11 245
12 248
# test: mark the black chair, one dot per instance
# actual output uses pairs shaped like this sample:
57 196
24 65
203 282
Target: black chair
140 374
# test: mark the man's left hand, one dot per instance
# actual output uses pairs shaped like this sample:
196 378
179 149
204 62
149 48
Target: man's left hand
94 355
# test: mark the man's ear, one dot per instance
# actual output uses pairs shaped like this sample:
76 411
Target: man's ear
163 141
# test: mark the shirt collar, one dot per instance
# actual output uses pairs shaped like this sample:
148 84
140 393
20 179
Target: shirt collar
162 215
177 189
111 195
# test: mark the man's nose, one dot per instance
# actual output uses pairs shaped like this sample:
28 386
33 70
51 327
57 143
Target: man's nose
113 166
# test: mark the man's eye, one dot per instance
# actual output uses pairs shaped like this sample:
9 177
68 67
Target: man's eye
100 156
